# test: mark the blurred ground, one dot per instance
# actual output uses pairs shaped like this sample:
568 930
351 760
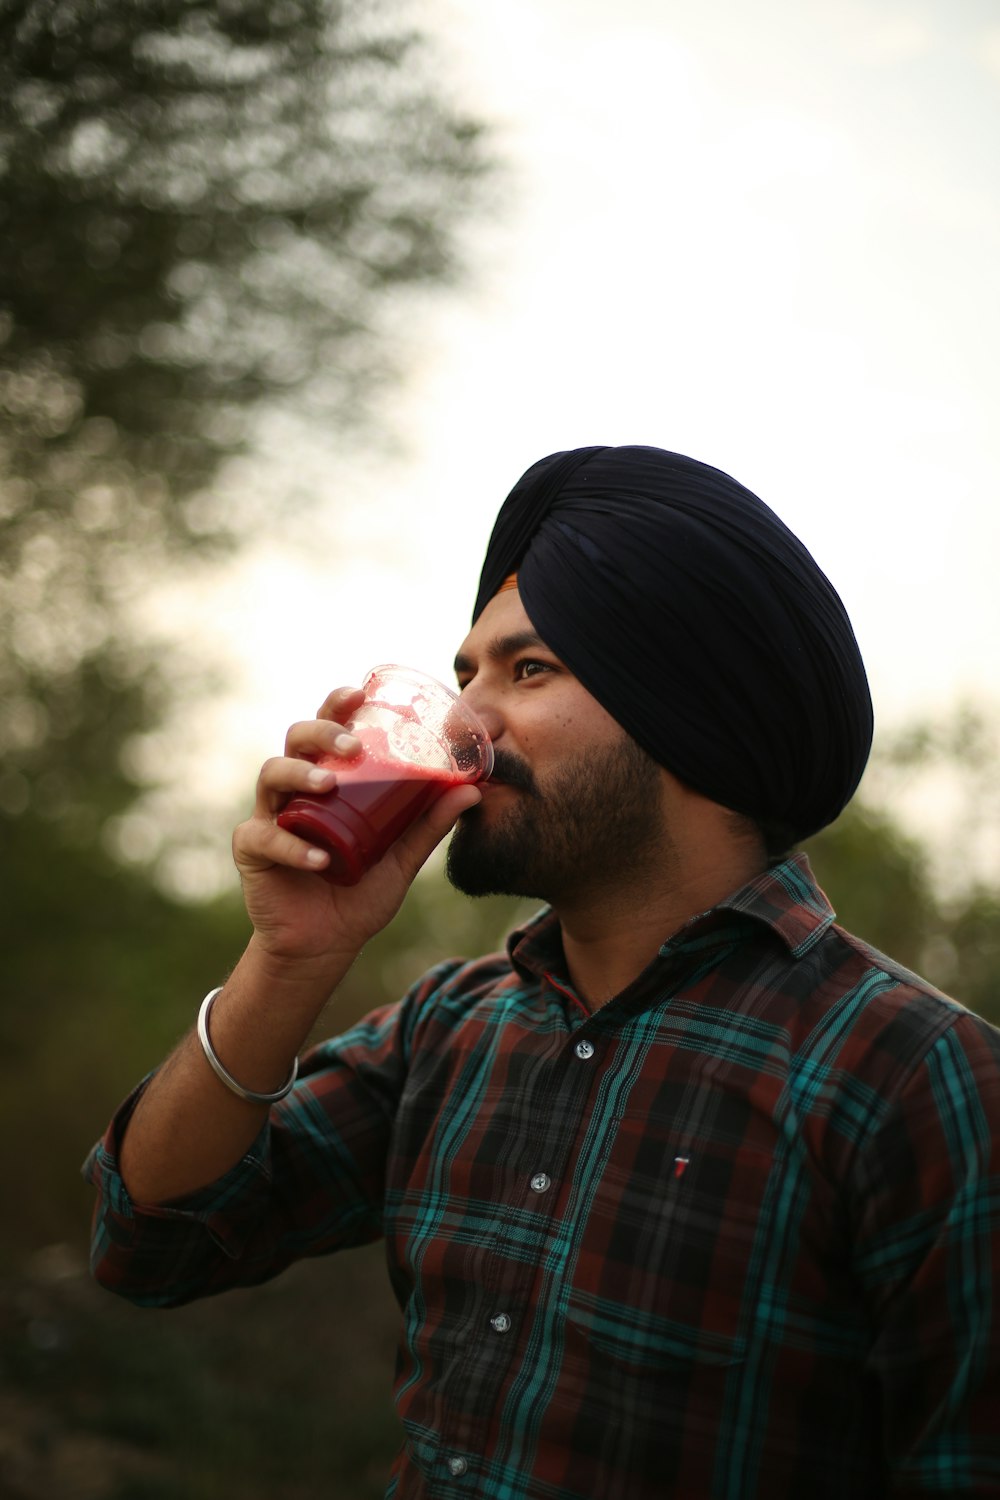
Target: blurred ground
278 1393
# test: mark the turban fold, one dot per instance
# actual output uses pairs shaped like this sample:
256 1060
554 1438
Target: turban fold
697 620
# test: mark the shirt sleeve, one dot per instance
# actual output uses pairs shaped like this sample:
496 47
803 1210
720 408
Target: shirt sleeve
928 1257
312 1182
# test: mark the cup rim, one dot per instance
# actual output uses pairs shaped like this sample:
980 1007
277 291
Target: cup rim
418 675
414 673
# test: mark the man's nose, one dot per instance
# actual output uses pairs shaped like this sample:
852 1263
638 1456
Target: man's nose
484 706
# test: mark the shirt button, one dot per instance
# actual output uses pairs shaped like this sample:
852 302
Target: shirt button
584 1050
500 1324
457 1467
540 1182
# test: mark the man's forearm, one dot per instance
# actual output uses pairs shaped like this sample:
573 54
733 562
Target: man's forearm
189 1128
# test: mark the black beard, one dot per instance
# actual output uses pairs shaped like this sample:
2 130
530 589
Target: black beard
595 822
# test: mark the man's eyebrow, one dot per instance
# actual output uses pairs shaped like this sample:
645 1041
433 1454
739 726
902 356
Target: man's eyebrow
502 646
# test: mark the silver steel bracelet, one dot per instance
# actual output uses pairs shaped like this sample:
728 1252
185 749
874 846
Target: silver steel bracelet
220 1071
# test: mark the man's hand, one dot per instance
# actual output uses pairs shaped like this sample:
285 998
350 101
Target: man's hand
299 917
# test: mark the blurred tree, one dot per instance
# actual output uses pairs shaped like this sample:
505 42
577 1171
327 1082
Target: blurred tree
879 881
884 886
205 209
946 771
969 955
100 974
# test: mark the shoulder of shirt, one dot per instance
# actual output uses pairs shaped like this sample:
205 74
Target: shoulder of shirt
447 995
833 960
917 1011
455 977
457 985
910 985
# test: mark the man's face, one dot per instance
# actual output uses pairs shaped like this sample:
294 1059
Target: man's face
573 802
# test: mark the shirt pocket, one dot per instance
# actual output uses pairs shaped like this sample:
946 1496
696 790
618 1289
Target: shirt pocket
671 1249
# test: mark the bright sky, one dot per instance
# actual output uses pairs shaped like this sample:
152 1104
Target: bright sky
765 235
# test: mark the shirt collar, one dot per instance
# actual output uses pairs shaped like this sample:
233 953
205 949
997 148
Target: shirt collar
784 898
787 899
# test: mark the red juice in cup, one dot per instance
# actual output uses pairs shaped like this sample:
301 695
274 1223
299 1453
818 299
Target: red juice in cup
418 739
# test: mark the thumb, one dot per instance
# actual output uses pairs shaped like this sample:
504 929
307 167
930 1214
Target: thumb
417 843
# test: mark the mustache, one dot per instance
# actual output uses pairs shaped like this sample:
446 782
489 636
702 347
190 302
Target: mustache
513 771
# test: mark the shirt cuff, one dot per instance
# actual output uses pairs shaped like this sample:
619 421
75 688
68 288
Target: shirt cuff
228 1208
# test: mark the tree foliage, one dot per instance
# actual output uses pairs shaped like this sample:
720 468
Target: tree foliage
205 211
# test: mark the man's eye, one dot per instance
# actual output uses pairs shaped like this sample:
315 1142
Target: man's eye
529 667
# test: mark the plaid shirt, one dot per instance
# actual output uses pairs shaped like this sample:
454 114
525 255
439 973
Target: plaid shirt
733 1235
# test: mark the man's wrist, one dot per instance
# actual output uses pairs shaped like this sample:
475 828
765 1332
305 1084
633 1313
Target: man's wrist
278 978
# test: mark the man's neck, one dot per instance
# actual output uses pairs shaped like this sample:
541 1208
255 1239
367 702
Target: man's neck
609 937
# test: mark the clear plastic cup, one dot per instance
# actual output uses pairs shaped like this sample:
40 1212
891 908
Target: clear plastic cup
418 739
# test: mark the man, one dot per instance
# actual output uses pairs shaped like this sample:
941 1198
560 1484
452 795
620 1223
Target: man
688 1194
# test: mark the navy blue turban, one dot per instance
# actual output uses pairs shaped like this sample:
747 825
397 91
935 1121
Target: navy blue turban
695 617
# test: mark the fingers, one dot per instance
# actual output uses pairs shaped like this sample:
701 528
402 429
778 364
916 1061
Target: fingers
307 742
312 738
260 844
326 735
283 775
341 703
